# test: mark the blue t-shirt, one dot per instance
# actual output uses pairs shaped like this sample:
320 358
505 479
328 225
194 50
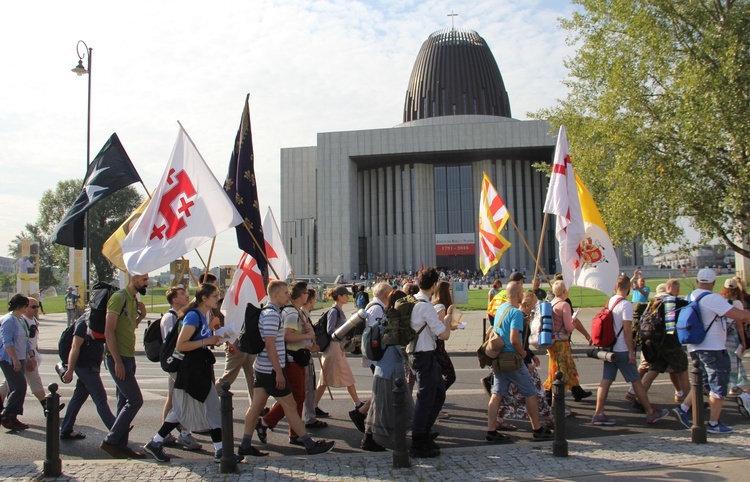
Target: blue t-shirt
196 319
640 298
513 320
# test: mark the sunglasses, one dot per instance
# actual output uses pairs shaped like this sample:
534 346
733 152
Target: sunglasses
34 307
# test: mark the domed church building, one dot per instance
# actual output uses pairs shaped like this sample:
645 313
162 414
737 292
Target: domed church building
397 198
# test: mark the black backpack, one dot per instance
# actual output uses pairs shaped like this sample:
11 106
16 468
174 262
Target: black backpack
372 339
66 341
652 326
152 339
249 340
169 357
320 327
96 312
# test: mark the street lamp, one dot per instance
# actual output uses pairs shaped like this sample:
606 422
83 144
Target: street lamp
80 70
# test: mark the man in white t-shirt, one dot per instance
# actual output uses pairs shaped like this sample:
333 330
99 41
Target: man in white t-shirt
430 383
712 353
624 358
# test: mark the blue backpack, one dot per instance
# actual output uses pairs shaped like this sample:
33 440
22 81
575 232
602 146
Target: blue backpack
690 329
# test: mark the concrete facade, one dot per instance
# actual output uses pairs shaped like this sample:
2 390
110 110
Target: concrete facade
364 201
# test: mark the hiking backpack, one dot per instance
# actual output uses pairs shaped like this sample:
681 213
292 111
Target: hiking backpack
65 343
320 327
96 313
249 340
690 329
603 327
372 338
362 299
169 357
152 339
652 327
397 329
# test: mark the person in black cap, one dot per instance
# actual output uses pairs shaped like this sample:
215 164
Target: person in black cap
336 370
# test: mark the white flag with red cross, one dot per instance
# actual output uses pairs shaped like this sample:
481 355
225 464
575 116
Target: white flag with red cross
188 208
247 287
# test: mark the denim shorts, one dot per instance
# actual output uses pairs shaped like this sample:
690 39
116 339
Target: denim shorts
521 378
715 365
629 370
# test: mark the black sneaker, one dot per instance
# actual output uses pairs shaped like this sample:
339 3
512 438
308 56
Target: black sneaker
545 434
294 440
252 451
497 438
371 445
156 451
321 447
220 452
320 413
424 453
359 419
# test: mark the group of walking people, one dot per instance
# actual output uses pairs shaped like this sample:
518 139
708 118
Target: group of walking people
285 368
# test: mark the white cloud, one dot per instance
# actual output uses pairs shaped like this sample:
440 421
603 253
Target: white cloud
309 66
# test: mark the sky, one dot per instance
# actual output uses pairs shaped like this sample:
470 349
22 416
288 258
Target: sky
309 67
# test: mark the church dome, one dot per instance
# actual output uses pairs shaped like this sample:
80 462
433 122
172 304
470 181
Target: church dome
455 74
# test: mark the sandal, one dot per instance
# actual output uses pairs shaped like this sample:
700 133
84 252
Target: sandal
316 424
262 431
72 436
506 427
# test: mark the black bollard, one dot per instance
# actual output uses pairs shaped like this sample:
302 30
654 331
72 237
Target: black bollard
228 462
400 454
560 445
52 462
698 432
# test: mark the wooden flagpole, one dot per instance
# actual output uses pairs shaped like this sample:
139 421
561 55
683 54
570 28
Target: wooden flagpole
528 248
262 250
541 245
210 254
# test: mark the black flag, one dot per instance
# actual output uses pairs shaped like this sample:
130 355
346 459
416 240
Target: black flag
242 190
110 171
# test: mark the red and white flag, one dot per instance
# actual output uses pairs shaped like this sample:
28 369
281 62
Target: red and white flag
275 248
188 209
247 287
492 218
563 202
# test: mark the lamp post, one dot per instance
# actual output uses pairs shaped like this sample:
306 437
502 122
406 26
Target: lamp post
81 70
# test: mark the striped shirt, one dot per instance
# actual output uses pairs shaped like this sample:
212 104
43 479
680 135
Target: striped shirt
270 325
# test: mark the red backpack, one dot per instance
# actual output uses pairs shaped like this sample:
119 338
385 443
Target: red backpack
603 327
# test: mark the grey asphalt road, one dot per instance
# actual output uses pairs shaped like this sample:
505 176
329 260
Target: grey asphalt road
466 406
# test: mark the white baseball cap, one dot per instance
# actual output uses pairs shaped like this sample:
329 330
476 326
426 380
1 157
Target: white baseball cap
706 276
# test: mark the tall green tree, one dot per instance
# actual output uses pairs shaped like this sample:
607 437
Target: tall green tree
657 115
105 217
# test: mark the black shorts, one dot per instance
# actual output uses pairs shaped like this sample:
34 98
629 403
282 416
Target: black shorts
267 381
672 357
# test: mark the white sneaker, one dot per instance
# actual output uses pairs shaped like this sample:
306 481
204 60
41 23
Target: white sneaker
169 440
743 404
188 442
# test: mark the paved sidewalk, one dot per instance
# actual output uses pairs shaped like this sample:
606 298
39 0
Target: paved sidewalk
629 457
